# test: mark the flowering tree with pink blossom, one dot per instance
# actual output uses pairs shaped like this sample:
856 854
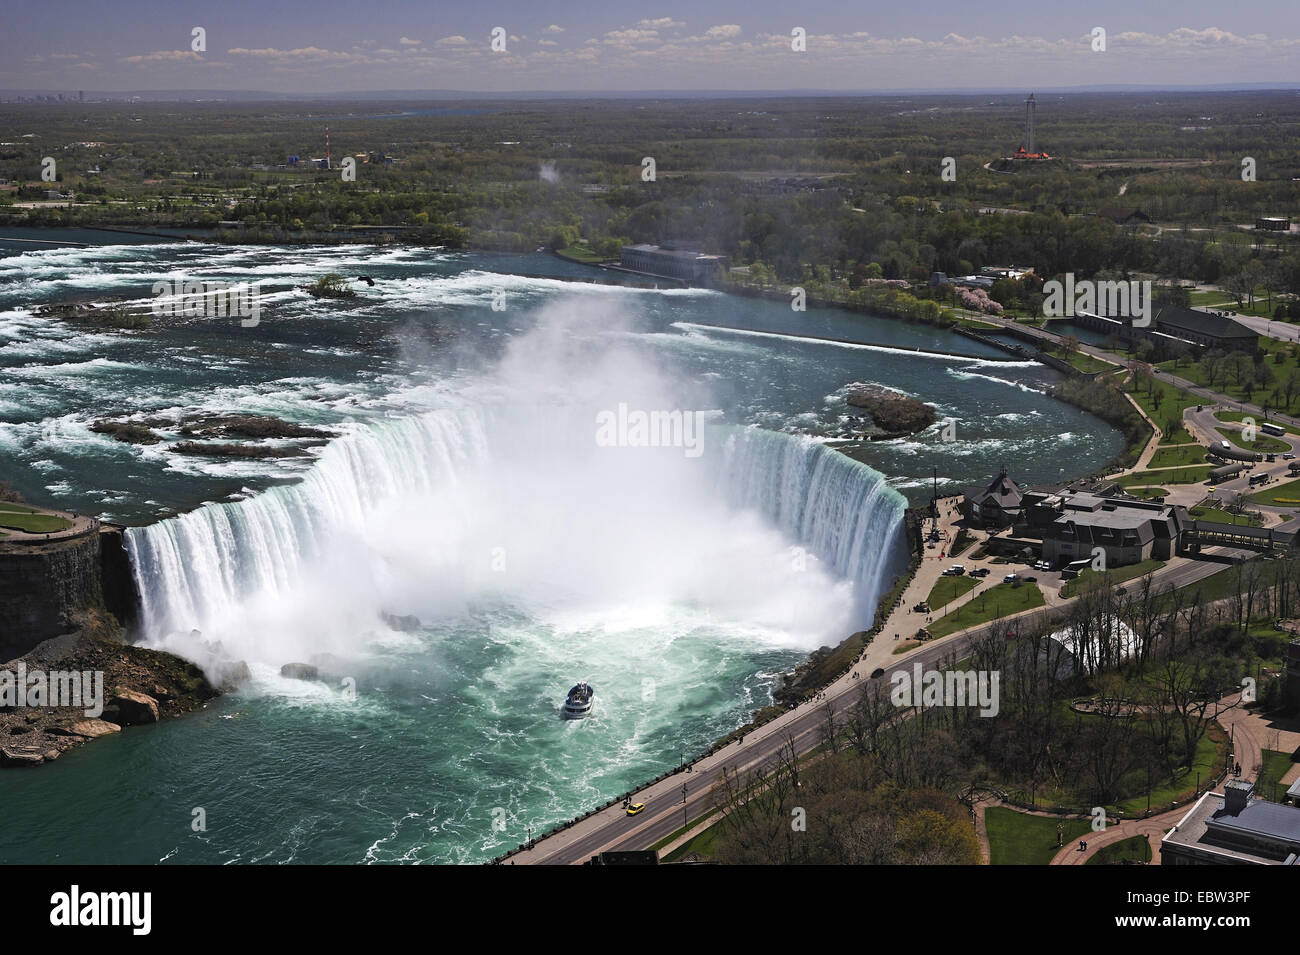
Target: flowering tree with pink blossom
978 300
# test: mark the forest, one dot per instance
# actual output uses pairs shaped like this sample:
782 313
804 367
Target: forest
1142 183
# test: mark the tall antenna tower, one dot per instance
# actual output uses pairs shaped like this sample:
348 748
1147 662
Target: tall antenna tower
1030 106
327 144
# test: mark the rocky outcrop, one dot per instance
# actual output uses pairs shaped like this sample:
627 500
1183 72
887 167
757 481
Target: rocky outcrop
140 687
894 413
90 729
299 671
402 624
219 450
128 707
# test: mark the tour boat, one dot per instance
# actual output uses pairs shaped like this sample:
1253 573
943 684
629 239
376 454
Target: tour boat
579 702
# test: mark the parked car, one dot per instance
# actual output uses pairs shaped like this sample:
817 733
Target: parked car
980 572
922 607
1029 580
1010 578
635 808
1287 456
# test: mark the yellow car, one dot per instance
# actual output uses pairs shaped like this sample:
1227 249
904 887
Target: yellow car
636 807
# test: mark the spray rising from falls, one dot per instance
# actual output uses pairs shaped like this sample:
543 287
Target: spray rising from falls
504 499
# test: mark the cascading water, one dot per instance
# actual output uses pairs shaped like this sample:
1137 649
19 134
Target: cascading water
841 510
313 564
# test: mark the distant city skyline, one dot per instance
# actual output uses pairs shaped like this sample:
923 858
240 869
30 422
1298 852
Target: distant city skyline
335 46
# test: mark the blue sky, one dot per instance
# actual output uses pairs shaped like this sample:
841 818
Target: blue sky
333 45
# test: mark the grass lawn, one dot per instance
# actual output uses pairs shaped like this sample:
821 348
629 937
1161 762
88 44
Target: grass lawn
1081 360
997 601
1241 415
1222 301
1178 455
1189 475
1149 492
1210 756
701 845
1279 495
582 253
1177 436
1109 578
1222 516
948 589
23 518
1164 405
1262 443
1275 767
1016 838
680 832
1225 381
1134 848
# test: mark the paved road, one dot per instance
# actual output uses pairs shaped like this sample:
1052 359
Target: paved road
1203 425
1282 331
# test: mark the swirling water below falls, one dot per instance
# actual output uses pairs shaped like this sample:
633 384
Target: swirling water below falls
680 582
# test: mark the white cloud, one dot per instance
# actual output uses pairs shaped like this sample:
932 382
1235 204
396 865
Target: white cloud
163 56
298 55
407 41
627 39
663 23
723 32
455 40
553 28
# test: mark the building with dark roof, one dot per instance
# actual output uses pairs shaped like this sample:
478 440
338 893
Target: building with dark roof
1204 328
1123 215
1175 327
996 505
675 260
1233 828
1072 525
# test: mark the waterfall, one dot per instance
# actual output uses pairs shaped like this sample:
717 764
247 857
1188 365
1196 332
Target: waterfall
839 509
406 516
191 568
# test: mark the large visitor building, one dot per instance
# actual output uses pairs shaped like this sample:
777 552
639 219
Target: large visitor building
674 260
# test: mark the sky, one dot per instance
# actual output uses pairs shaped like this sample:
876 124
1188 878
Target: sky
330 46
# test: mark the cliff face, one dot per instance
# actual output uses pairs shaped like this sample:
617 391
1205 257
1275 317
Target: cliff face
41 585
121 596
